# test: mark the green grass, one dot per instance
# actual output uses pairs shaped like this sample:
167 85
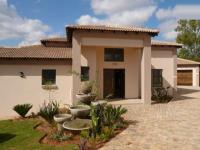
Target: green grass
20 135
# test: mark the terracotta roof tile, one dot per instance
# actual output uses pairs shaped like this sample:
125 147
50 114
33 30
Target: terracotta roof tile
181 61
55 39
163 43
112 28
71 28
36 51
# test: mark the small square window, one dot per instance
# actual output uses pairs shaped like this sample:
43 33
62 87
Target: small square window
114 54
48 76
84 73
157 79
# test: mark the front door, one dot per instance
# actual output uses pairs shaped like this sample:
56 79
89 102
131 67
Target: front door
114 83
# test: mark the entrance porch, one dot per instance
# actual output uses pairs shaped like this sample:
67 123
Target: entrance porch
127 78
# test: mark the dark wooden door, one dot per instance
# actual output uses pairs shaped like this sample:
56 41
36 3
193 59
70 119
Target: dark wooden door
108 87
184 77
114 83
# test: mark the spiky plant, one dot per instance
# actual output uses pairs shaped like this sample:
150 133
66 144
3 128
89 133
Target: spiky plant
22 109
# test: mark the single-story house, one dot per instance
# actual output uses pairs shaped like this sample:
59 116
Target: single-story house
122 60
187 72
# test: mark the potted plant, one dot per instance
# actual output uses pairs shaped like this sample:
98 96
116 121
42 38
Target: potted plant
86 96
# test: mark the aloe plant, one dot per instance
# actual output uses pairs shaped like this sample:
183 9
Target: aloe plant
48 110
112 115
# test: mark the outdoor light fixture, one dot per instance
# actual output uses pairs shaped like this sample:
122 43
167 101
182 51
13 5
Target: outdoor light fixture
22 75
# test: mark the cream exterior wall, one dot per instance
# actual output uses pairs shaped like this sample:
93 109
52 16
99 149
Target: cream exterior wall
16 90
165 58
139 59
94 58
134 41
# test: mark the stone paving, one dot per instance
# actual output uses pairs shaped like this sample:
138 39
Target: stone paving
172 126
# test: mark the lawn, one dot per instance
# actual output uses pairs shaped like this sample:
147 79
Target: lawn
20 135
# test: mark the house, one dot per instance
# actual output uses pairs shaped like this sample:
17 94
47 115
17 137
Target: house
188 72
123 60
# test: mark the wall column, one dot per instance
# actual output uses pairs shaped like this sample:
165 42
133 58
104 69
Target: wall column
195 73
146 72
174 71
76 67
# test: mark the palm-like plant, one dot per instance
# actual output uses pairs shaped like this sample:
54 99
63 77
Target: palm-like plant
22 109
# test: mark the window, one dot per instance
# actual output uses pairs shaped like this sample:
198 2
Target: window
157 80
114 54
48 77
84 73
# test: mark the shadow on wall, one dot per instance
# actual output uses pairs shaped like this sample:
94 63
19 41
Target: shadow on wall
6 137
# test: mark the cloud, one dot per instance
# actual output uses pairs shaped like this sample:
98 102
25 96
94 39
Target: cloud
168 18
13 26
116 6
122 12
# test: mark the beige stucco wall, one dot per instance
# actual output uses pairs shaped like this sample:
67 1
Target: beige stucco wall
139 86
16 90
94 58
165 58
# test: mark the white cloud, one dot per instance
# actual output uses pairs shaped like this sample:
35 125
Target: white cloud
116 6
168 18
13 26
122 12
167 29
179 12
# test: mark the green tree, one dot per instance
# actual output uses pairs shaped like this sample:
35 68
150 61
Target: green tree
189 35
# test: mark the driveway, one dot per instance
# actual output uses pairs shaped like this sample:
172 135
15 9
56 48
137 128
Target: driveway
172 126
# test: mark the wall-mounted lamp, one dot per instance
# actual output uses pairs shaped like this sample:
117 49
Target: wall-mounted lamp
22 75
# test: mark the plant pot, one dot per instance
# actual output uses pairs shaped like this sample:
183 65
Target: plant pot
78 124
100 102
84 98
80 111
60 118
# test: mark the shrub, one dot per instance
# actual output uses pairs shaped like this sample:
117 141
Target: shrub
96 114
22 109
86 87
61 137
47 111
104 120
112 115
161 95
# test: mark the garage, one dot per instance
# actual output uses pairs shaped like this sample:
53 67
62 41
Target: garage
187 72
184 77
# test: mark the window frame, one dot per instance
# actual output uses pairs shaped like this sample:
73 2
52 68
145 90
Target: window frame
53 79
87 69
113 56
156 77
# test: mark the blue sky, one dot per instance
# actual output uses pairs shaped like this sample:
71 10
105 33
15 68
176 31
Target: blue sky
24 22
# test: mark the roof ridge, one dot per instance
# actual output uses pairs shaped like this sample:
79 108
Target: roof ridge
189 60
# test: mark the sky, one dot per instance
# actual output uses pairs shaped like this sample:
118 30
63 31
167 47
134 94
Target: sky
25 22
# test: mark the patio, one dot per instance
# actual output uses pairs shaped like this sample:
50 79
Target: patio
162 126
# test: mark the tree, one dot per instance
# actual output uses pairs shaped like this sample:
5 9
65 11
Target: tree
189 35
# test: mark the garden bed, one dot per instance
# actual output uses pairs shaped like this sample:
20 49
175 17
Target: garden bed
75 139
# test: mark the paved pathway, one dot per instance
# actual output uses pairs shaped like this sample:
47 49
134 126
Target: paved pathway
172 126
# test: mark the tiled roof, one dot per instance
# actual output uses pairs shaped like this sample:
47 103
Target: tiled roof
162 43
36 51
181 61
71 28
55 39
112 28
